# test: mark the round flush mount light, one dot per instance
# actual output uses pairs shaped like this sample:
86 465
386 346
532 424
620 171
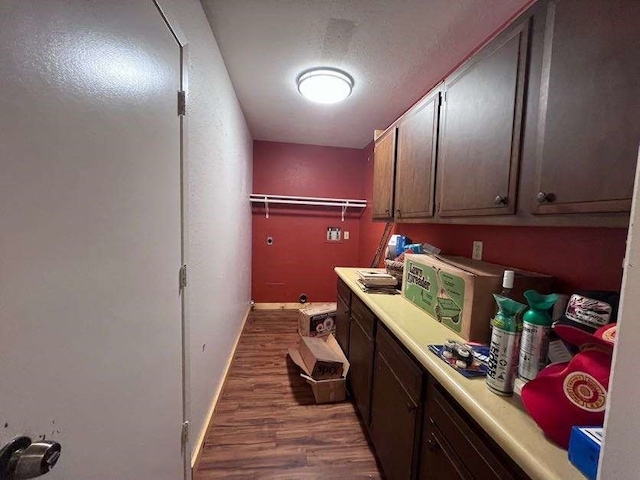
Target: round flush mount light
325 85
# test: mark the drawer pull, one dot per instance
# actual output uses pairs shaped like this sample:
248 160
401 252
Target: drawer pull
411 407
432 443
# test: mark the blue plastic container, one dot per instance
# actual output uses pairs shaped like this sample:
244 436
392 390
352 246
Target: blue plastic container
584 449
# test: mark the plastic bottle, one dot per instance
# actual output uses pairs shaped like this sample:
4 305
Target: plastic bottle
507 283
505 345
507 286
536 330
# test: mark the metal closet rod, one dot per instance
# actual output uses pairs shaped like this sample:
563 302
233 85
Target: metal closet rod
343 203
295 200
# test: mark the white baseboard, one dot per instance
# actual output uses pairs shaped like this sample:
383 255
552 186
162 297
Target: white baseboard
285 306
195 456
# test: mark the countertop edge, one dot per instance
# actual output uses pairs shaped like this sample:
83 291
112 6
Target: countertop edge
445 375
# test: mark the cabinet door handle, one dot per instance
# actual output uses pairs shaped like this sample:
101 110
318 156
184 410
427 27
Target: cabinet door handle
386 211
399 213
411 407
432 442
543 197
500 200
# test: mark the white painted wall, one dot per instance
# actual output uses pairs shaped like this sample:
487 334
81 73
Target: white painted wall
220 180
620 456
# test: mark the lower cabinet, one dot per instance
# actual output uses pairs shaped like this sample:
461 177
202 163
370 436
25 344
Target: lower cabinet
343 316
438 460
361 347
454 446
417 429
396 408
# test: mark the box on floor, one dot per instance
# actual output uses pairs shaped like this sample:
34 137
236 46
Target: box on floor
317 320
327 360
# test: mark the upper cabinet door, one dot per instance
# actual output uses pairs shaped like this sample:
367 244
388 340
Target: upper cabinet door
384 160
416 160
481 129
589 119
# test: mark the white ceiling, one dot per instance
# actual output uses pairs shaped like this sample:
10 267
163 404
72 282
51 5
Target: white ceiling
395 50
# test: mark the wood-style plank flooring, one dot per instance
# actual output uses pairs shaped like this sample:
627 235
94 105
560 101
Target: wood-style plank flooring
266 424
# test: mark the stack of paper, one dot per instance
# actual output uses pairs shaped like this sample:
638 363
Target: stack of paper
376 281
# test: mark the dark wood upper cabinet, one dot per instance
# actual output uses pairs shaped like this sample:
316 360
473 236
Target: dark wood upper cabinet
416 160
589 107
384 161
481 126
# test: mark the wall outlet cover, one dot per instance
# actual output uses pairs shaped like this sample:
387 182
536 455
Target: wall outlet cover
477 250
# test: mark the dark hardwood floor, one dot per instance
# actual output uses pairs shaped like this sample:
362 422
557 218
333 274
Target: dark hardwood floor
266 424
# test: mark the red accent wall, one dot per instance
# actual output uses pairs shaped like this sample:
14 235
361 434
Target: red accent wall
370 231
579 258
301 260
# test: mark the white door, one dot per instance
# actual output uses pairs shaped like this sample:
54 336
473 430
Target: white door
90 238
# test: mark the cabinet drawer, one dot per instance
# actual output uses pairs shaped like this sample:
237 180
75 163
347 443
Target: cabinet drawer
407 371
475 450
344 292
361 313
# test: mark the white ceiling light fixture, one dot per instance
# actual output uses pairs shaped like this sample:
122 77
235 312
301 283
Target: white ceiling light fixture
325 85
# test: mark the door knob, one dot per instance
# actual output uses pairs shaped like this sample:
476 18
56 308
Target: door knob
21 459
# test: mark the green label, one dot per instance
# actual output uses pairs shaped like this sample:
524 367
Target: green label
438 293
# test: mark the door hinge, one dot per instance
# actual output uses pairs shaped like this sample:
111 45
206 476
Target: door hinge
185 433
183 276
182 102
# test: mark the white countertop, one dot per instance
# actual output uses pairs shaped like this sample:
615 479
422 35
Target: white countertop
503 418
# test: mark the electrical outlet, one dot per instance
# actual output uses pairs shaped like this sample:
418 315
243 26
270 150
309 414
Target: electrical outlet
477 250
346 235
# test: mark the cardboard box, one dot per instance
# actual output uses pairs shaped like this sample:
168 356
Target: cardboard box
317 320
321 360
457 291
324 391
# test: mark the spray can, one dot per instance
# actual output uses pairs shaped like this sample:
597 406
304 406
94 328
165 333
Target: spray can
536 330
505 345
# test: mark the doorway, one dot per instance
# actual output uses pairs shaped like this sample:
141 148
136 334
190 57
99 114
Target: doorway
91 202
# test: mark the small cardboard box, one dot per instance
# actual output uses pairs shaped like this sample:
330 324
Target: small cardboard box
324 391
317 320
457 291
